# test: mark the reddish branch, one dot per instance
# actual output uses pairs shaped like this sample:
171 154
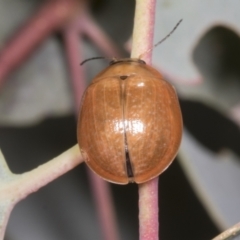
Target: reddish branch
148 192
52 16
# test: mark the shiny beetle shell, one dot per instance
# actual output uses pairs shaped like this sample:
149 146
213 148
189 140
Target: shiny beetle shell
130 123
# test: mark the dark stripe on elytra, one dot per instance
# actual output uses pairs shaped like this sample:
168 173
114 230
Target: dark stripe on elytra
127 156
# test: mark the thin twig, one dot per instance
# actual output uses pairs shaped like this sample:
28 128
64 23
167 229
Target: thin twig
18 186
148 192
50 17
148 210
105 207
143 29
89 27
230 233
73 51
29 182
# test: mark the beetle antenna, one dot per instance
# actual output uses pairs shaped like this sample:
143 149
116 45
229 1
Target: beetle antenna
161 41
89 59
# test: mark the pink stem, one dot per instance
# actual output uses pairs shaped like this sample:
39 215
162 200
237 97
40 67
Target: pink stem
141 43
100 188
50 17
104 204
148 210
102 41
143 29
73 51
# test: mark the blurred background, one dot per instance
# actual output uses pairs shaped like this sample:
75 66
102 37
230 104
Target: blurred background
199 193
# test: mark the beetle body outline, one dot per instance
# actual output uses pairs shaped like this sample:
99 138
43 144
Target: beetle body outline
130 123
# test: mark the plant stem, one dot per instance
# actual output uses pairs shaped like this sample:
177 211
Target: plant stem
148 192
51 16
148 210
15 187
21 185
143 29
230 233
74 58
104 205
89 27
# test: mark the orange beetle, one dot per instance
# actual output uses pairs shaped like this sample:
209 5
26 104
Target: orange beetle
130 123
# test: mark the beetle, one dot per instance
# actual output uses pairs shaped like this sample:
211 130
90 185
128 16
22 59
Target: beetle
130 122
